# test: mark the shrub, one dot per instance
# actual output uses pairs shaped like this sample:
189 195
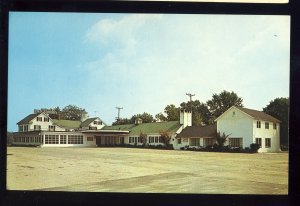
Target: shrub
254 147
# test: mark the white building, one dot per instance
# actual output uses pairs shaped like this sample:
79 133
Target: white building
246 126
40 130
197 136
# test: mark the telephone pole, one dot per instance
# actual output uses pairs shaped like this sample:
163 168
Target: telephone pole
118 108
190 95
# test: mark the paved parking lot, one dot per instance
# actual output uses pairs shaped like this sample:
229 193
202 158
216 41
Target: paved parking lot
145 170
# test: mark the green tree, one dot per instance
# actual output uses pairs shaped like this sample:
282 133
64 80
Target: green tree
221 139
172 112
221 102
279 108
161 117
146 117
72 112
200 112
122 121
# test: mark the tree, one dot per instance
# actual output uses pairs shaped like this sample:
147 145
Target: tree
146 117
143 138
200 112
72 112
166 137
172 112
160 117
221 102
221 139
279 108
122 121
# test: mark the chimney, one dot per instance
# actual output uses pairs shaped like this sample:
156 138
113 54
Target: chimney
84 116
185 118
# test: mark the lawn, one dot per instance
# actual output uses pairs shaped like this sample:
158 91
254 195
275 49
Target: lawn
145 170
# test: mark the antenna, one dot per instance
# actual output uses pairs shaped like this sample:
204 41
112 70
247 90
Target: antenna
118 108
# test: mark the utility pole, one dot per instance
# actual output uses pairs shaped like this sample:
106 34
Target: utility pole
190 95
118 108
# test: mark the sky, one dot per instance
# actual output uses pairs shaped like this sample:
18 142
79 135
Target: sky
142 62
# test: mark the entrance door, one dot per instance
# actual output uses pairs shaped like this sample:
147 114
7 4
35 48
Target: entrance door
98 141
122 140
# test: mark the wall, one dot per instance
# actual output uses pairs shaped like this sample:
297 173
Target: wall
238 125
264 133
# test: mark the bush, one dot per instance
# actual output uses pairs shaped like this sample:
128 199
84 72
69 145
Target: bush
254 147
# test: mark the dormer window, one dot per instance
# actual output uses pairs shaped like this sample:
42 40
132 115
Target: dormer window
97 122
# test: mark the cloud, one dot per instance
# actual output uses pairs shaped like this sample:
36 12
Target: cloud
150 61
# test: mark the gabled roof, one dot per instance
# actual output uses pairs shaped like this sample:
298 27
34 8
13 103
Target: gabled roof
27 119
30 117
88 121
258 115
68 124
198 131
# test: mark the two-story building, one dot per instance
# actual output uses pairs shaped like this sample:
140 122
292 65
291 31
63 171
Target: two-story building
246 126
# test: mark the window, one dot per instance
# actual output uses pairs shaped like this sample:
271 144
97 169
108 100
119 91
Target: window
51 139
258 124
236 142
266 125
39 119
156 139
75 139
194 141
37 127
20 128
179 141
268 142
51 128
209 141
90 139
258 141
151 139
274 126
63 139
46 119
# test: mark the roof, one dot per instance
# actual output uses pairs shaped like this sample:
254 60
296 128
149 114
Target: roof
68 124
27 119
155 127
119 127
198 131
258 115
88 121
146 128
